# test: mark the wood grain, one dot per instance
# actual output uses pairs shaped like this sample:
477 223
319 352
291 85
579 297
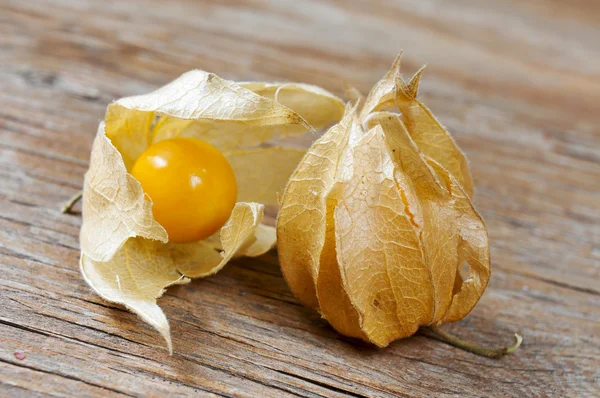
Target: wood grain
518 83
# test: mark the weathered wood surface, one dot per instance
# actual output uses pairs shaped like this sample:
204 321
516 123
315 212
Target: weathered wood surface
517 82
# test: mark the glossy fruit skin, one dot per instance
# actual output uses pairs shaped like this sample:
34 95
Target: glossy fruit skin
192 185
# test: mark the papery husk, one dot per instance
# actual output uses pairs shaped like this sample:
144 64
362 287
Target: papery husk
376 221
126 255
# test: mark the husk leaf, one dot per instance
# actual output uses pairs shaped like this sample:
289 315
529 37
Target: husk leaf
126 256
376 221
302 216
140 272
428 133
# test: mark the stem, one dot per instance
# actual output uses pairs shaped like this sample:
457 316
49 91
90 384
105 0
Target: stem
485 352
67 207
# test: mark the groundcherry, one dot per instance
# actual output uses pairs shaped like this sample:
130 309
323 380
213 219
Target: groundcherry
191 184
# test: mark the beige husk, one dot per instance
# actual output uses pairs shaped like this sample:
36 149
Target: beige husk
376 221
126 256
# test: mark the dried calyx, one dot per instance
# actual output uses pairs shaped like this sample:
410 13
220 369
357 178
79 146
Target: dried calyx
376 222
126 254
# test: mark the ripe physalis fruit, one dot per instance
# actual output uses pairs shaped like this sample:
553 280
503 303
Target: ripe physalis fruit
376 222
131 248
191 184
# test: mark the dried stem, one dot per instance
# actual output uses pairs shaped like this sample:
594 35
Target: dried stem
482 351
68 205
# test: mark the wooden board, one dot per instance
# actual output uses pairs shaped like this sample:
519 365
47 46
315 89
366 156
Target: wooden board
517 82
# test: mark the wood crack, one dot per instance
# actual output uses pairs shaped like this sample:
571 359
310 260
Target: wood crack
243 376
66 376
450 368
10 253
556 283
318 383
96 330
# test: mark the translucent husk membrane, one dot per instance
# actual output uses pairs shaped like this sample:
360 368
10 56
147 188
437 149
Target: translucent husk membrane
376 221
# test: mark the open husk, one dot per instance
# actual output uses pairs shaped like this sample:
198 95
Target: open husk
126 256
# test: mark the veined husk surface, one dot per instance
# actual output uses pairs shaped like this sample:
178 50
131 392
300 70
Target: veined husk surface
126 256
377 221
